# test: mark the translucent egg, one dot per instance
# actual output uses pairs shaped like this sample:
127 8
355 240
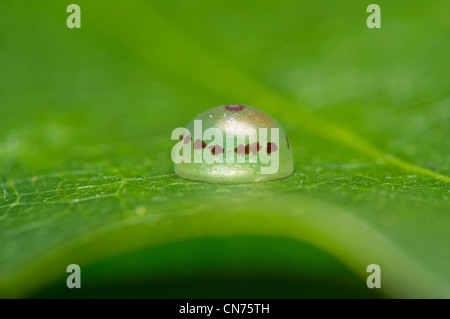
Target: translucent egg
232 144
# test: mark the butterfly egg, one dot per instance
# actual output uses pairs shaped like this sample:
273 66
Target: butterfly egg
233 144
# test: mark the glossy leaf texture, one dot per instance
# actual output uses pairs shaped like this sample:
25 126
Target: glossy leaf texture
86 175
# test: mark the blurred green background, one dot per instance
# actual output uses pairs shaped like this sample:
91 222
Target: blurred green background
86 175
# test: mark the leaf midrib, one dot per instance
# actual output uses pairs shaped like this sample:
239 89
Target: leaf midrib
256 92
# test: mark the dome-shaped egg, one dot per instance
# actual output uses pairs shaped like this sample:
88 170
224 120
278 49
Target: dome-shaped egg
232 144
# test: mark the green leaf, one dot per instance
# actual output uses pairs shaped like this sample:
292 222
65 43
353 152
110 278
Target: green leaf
86 175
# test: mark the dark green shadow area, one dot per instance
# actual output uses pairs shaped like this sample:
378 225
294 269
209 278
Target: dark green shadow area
224 267
86 175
